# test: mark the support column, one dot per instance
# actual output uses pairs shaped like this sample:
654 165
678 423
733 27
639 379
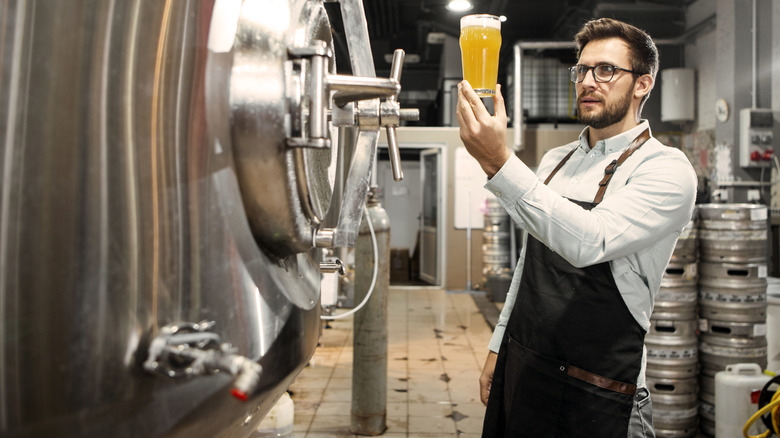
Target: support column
369 367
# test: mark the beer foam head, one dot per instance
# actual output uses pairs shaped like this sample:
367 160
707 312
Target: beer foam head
482 20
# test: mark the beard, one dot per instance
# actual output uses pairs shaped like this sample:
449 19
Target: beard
613 112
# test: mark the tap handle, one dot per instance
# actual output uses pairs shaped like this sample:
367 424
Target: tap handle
396 67
393 121
395 154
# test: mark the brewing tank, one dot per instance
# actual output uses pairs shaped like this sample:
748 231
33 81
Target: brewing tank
164 174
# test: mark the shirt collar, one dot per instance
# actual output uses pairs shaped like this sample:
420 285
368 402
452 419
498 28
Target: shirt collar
616 143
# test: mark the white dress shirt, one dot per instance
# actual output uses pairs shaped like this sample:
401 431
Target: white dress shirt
647 203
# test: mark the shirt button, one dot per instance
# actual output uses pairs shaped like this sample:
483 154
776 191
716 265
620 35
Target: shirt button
498 194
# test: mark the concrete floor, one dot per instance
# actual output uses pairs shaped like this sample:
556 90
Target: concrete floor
437 344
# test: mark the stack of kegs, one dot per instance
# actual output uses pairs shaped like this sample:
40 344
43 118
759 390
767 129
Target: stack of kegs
732 295
496 269
671 342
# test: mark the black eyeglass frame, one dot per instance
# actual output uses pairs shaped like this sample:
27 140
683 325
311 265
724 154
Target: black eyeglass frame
574 74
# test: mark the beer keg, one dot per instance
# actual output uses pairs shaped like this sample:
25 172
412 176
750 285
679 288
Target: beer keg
686 250
733 292
496 263
675 407
733 232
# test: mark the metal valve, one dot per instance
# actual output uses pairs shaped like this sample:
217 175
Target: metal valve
187 350
348 89
332 266
369 115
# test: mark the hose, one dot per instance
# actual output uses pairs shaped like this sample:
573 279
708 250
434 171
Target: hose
373 278
774 407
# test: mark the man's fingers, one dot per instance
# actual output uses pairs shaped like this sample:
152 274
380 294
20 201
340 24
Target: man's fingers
464 112
484 394
473 100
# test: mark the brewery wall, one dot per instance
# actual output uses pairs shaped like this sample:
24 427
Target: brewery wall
719 55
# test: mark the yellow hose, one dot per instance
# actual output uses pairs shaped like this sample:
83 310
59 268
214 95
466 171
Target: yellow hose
773 406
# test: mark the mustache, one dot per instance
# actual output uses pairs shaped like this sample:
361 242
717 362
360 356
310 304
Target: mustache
589 95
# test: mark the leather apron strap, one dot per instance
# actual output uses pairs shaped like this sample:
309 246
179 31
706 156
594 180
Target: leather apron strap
635 144
610 170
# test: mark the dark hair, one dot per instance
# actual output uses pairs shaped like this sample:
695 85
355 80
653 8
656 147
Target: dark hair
642 50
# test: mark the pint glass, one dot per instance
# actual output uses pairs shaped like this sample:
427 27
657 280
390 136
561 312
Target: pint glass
480 42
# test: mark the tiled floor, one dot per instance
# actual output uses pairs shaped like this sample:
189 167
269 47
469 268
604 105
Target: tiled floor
437 343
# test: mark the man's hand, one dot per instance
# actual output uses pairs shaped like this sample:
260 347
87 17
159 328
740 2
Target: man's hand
486 379
483 135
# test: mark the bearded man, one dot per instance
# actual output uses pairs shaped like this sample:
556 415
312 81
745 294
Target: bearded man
602 216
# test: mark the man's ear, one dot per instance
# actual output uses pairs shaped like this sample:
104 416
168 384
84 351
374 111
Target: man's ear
643 85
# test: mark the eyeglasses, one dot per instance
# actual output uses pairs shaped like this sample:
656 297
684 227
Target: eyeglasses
601 72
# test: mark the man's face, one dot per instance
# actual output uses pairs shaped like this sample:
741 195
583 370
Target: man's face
602 104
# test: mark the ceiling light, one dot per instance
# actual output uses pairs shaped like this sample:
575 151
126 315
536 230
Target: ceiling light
459 5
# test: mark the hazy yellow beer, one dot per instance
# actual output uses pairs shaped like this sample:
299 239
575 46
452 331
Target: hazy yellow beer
480 42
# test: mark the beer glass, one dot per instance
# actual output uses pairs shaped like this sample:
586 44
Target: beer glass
480 42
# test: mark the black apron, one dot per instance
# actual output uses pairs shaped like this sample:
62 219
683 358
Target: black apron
572 351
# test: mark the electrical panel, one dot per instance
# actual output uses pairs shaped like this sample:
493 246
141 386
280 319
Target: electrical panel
756 142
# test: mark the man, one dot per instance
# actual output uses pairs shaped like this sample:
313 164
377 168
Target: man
602 215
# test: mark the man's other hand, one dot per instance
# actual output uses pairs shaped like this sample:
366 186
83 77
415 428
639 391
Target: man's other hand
486 379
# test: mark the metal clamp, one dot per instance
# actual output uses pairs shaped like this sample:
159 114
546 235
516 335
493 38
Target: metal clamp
187 350
318 56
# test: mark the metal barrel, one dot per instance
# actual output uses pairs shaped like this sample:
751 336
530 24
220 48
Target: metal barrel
496 217
733 292
718 351
495 238
675 406
496 263
676 300
707 417
732 295
672 348
678 292
686 250
733 232
679 275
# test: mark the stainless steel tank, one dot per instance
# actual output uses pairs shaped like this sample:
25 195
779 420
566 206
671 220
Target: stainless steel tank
164 174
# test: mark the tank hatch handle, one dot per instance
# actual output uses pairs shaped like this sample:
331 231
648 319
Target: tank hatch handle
347 89
368 116
186 350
